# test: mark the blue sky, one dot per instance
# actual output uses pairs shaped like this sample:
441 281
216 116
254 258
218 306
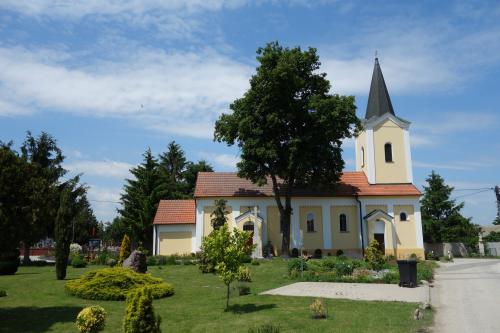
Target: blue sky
110 78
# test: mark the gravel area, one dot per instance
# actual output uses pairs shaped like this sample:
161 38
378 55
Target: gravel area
354 291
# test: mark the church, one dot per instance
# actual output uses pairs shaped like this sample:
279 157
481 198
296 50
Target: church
377 201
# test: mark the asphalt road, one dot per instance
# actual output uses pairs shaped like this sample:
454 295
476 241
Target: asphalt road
466 295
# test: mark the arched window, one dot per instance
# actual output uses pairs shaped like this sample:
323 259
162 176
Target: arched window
343 222
388 152
310 222
362 157
403 216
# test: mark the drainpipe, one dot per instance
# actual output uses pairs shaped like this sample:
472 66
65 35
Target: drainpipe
361 226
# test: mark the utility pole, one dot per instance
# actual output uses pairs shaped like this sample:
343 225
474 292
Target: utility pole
497 193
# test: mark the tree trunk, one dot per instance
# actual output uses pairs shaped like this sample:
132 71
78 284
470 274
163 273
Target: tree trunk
26 256
227 297
285 219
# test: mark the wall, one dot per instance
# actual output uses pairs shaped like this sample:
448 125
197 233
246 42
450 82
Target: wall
492 248
312 240
178 228
390 172
345 241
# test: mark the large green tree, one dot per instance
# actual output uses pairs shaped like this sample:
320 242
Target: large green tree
14 204
191 175
45 158
442 220
85 225
140 200
289 127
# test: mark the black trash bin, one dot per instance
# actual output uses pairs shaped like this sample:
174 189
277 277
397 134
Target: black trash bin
407 273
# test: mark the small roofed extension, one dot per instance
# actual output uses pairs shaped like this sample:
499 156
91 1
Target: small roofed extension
377 201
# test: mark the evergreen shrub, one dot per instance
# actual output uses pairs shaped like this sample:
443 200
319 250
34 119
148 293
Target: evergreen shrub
139 312
115 283
91 319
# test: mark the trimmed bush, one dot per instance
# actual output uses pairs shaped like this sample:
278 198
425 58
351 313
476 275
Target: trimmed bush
339 253
78 262
295 252
3 293
111 262
139 313
115 283
91 319
318 309
318 253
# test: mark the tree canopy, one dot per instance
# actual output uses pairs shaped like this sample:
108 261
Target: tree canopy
442 220
288 126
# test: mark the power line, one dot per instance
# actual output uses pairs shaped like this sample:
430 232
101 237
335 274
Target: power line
474 193
107 201
473 189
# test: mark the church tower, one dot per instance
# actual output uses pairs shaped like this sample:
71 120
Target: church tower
383 147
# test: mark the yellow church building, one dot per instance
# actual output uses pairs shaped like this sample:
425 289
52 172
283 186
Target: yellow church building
377 201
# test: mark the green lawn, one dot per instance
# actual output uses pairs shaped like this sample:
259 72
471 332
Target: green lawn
36 302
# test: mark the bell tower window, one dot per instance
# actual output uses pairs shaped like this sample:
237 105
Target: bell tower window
362 157
388 152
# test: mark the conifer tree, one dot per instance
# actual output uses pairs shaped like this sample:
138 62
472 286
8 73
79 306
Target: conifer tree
218 216
125 249
140 200
172 167
441 217
139 313
45 157
70 205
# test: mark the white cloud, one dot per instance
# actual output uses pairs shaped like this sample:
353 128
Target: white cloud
224 161
104 201
456 165
105 168
176 92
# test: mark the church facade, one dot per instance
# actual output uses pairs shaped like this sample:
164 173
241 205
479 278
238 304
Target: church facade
377 201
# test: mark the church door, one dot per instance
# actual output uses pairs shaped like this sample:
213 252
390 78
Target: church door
381 243
249 228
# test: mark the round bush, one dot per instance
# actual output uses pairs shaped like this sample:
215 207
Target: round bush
9 262
111 262
91 319
295 252
78 262
115 283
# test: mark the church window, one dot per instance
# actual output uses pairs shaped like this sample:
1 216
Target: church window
403 216
310 222
343 223
388 152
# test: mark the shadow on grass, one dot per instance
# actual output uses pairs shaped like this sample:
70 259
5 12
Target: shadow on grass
35 319
248 308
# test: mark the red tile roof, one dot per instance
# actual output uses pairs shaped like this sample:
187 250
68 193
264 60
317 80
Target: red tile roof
228 184
176 212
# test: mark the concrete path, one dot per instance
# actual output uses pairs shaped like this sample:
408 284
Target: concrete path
466 295
355 291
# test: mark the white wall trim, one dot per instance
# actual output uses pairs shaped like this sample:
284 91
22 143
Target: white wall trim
370 156
199 226
327 227
418 226
409 165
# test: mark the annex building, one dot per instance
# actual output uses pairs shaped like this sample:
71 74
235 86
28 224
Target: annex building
377 201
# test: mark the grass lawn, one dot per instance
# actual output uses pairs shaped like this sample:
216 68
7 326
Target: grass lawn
36 302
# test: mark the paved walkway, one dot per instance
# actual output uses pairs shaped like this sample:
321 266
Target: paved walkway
355 291
466 295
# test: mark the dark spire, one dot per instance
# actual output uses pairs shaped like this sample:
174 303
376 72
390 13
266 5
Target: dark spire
379 102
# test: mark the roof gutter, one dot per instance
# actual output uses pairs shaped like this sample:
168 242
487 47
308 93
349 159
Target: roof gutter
361 225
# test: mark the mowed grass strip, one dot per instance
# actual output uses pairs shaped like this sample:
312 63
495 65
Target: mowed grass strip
37 302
